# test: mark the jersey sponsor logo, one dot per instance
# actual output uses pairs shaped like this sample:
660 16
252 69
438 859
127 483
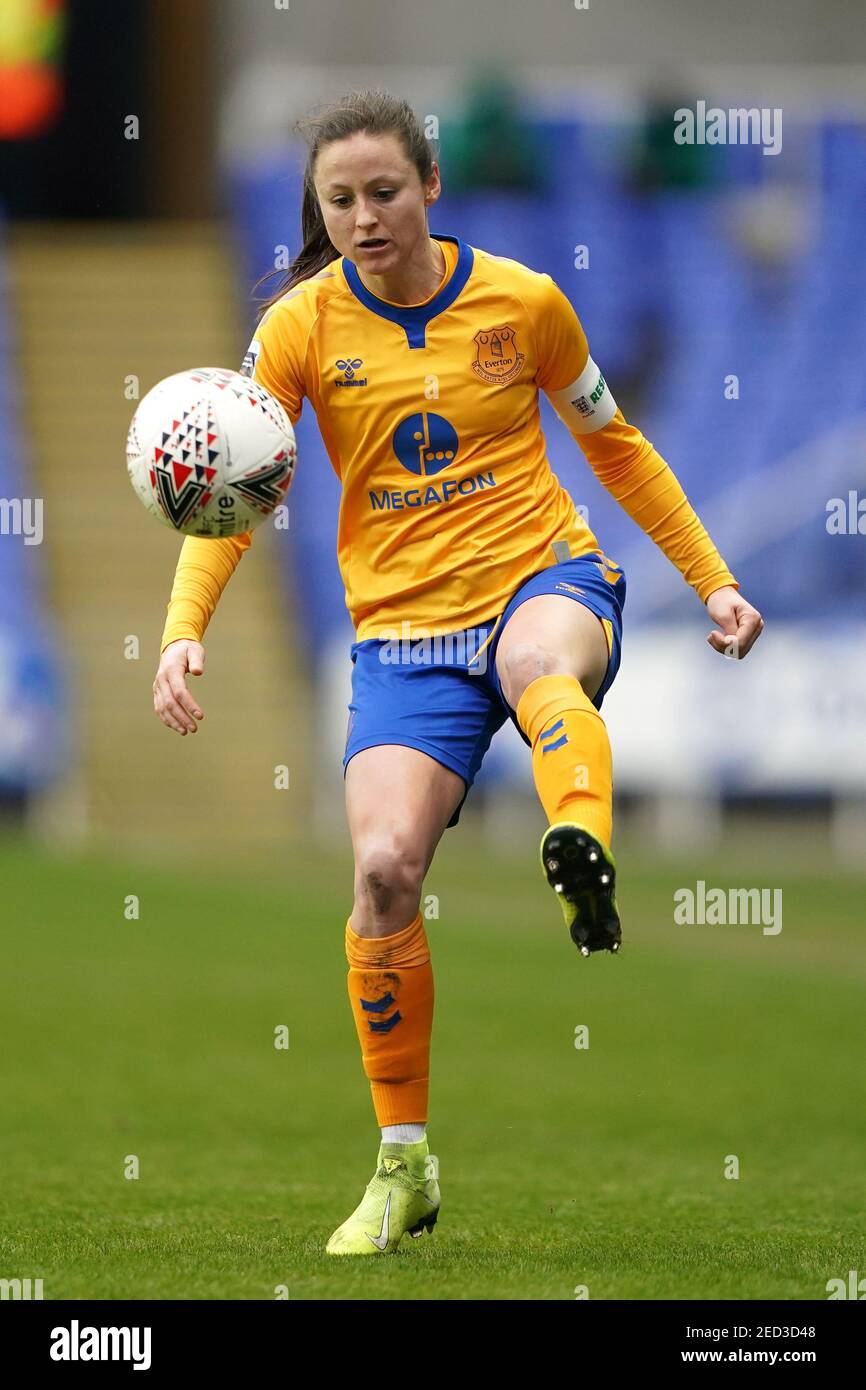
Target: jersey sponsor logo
251 357
496 355
395 500
425 443
349 366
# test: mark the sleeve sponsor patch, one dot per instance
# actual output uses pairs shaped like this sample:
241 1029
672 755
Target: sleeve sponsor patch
251 357
587 404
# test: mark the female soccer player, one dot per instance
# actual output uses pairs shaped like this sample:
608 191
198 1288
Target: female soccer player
423 358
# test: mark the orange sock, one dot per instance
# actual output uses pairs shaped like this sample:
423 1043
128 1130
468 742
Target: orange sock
571 759
391 993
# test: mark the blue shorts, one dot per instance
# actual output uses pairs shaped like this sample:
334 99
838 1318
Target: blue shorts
442 695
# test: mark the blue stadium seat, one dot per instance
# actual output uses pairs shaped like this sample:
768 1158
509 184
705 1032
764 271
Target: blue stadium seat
674 308
34 729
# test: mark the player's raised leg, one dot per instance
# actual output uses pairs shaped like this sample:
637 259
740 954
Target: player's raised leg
398 801
551 659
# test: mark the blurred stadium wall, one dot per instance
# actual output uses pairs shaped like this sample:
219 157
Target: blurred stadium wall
94 311
125 311
726 263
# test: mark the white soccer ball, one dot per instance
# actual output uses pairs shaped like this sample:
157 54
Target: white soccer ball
210 452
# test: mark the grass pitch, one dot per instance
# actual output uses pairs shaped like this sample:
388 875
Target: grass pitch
561 1167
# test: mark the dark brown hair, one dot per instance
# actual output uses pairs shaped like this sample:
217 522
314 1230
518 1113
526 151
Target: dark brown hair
375 112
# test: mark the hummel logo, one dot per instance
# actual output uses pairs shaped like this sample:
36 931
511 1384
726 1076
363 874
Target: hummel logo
381 1240
349 366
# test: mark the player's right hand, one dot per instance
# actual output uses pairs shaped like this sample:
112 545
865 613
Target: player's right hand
173 702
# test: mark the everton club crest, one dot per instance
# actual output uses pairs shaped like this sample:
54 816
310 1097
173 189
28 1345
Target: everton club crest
496 355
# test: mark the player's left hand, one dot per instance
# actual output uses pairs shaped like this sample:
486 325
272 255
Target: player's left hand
739 625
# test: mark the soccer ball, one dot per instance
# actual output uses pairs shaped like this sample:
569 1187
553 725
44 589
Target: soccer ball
210 452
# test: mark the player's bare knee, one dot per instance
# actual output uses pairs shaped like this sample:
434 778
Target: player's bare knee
378 891
522 663
387 877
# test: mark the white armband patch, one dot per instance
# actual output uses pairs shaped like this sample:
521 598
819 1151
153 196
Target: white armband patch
251 357
587 404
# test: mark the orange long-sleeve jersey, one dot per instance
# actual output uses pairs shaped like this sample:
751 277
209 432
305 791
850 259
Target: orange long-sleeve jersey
429 414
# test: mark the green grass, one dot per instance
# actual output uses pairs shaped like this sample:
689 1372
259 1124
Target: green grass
559 1167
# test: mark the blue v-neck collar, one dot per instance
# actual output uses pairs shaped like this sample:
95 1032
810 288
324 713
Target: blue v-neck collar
414 318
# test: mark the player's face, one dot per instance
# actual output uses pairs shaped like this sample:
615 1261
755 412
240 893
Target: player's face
373 202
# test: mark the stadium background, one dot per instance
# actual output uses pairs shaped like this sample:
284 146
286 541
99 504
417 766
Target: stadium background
148 178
